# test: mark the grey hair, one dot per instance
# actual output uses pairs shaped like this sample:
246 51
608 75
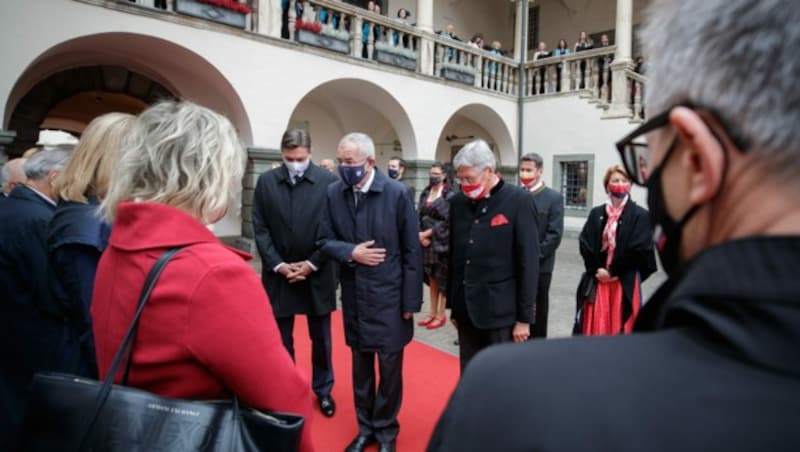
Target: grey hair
475 154
182 155
737 57
48 159
365 145
533 157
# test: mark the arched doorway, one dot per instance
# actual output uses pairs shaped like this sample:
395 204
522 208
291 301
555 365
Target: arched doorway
476 121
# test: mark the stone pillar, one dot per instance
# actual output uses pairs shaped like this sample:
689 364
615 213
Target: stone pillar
416 176
269 18
259 161
521 41
426 47
510 174
620 93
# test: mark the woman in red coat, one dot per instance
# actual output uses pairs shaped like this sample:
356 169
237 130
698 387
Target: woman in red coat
207 331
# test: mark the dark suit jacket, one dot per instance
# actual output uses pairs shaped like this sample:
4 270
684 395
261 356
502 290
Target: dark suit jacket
375 298
29 322
285 222
550 224
494 270
715 366
633 254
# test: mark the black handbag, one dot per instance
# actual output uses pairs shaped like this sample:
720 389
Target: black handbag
71 413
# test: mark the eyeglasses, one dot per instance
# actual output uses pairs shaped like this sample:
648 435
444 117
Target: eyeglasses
636 154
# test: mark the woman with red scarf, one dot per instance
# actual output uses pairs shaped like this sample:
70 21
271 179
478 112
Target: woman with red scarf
617 249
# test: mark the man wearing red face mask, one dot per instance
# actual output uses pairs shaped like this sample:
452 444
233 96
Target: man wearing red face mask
494 257
617 250
550 225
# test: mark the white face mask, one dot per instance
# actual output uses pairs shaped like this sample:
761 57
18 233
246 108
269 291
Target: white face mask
297 168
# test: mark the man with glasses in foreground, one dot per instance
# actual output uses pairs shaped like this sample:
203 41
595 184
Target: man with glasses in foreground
715 361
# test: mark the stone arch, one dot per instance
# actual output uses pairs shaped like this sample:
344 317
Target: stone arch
131 69
339 106
473 121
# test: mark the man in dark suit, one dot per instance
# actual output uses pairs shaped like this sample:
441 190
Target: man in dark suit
550 224
494 255
370 227
714 362
31 326
287 207
13 175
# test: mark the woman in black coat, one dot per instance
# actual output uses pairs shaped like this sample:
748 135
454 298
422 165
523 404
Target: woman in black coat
617 249
77 235
434 237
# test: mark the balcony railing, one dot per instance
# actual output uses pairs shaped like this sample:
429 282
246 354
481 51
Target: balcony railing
361 34
588 71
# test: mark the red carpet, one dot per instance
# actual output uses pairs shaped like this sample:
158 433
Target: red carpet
429 377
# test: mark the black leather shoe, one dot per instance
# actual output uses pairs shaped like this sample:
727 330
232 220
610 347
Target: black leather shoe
327 405
360 443
387 447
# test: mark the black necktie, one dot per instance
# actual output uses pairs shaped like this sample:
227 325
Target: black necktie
296 179
360 197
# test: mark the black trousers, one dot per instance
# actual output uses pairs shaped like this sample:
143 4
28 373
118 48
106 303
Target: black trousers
471 340
376 411
539 328
319 329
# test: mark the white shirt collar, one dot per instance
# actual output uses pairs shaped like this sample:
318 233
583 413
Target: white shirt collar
370 179
42 195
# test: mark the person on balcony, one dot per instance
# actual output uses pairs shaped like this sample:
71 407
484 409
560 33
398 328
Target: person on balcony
370 227
288 203
550 225
603 68
434 237
617 250
365 27
494 256
477 41
541 52
583 44
561 50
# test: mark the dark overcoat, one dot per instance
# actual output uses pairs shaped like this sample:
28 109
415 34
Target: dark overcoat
285 221
77 236
29 323
375 298
715 366
634 253
550 225
494 258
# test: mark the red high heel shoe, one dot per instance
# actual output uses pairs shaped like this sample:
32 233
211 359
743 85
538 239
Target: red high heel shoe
437 323
426 321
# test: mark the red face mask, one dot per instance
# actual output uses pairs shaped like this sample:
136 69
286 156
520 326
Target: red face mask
474 192
527 180
619 190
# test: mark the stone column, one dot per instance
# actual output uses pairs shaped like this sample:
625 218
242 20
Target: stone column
269 18
620 105
520 44
425 24
416 176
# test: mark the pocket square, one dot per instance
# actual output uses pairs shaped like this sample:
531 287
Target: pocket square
499 220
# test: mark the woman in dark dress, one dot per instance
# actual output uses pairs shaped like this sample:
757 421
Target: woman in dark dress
77 235
434 221
617 249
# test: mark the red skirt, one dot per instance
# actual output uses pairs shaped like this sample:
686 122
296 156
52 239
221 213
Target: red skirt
604 315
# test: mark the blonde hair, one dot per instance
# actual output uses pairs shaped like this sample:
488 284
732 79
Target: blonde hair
90 166
614 169
182 155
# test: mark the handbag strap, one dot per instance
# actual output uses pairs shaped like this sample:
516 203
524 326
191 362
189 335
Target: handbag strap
126 348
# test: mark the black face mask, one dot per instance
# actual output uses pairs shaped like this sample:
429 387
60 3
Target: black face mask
435 180
666 231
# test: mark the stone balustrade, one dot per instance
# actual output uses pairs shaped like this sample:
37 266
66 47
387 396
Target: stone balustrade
588 71
636 84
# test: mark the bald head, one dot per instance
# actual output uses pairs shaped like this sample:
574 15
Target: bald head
13 174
